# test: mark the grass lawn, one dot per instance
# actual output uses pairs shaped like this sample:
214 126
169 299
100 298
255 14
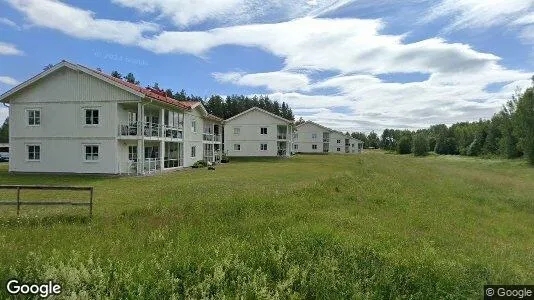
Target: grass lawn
370 226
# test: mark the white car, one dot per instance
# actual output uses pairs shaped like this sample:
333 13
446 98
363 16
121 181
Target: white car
4 156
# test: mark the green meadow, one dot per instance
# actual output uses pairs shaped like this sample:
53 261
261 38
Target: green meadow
374 226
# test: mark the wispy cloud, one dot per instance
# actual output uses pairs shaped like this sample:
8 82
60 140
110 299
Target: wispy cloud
184 13
9 49
275 81
81 23
8 22
8 80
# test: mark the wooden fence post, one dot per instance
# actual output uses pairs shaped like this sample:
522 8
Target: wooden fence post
18 200
91 204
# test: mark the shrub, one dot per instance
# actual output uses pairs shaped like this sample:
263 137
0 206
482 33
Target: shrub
200 164
420 145
404 146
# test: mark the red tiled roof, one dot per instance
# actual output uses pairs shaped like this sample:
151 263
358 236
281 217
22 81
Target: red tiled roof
152 94
190 104
214 117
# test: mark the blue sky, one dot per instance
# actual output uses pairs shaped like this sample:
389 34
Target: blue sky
353 65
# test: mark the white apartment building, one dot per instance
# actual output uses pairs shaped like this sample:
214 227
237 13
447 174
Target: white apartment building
310 137
72 119
256 132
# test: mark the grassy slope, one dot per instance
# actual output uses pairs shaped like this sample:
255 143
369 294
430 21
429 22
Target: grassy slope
375 225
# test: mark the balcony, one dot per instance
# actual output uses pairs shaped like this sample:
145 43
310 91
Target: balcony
282 136
209 137
136 129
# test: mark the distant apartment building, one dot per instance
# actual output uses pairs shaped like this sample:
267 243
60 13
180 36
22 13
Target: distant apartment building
256 132
310 137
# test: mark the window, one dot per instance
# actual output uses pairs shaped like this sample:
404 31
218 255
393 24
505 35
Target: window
194 151
34 117
314 136
237 147
339 141
263 147
314 147
263 130
338 149
237 130
91 117
296 147
34 152
132 153
91 152
194 126
295 136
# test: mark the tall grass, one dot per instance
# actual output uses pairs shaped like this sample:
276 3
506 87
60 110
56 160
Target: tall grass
336 227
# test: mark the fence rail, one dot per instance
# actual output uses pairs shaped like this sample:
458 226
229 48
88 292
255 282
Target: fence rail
19 203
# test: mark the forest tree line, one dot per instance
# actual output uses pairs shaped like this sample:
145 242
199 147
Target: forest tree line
226 107
509 134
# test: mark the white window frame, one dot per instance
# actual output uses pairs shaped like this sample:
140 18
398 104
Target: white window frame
295 146
84 151
193 151
314 136
314 147
261 130
295 136
132 155
34 110
237 130
266 147
92 124
34 152
237 147
338 149
194 126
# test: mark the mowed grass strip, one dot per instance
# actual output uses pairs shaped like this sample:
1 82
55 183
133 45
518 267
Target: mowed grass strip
370 226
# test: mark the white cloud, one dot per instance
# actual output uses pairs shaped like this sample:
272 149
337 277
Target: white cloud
8 80
9 23
9 49
275 81
81 23
346 45
356 49
485 14
187 12
480 14
525 20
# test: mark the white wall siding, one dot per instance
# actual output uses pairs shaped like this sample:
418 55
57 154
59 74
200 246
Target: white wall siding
193 138
62 98
305 139
64 156
250 137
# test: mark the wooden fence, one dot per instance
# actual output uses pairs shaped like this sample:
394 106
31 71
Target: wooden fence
19 203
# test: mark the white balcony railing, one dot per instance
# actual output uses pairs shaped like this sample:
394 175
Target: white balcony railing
210 137
150 130
282 136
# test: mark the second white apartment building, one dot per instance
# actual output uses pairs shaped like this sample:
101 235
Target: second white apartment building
310 137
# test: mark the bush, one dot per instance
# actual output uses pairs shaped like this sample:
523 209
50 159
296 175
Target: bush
404 146
420 145
200 164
